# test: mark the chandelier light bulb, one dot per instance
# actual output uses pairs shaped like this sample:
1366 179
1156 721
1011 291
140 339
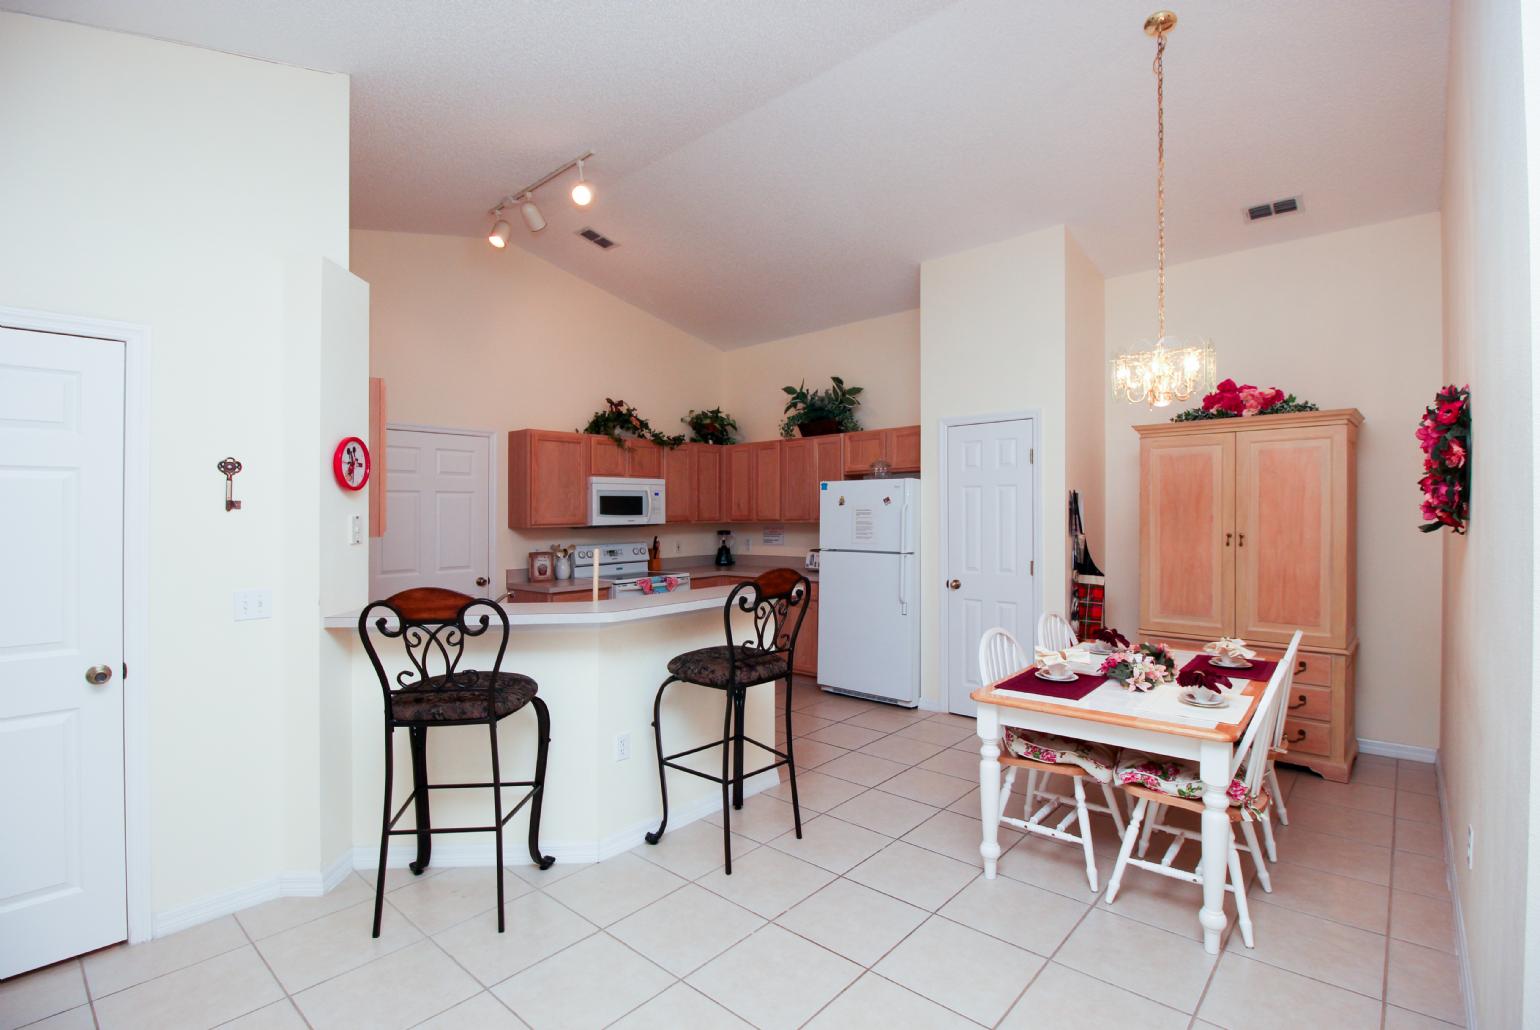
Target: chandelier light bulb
582 191
498 237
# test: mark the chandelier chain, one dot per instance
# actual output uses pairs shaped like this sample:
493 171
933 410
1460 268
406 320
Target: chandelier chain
1160 183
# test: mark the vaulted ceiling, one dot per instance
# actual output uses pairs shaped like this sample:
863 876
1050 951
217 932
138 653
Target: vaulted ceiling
775 167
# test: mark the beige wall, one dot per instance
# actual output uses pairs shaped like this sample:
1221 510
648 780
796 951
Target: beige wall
471 337
181 189
1487 742
1085 393
880 354
1347 319
992 339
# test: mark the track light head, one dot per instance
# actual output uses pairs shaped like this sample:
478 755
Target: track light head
582 192
498 237
532 216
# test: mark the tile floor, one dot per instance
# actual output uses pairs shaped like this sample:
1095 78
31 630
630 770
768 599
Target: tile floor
877 917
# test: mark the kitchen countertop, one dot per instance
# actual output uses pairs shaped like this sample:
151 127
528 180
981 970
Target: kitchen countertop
562 586
630 608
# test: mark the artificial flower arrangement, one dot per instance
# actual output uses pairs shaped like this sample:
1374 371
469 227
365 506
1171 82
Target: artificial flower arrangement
1444 434
1231 401
620 417
1141 668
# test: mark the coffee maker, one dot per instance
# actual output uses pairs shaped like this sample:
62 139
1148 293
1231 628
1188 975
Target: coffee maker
724 548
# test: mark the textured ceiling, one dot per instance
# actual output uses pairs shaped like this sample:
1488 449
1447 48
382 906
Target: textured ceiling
775 167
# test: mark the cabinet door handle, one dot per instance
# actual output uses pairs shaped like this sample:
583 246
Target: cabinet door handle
1242 541
1302 702
1227 538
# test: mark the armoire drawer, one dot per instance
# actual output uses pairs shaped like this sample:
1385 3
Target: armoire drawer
1308 703
1308 667
1307 736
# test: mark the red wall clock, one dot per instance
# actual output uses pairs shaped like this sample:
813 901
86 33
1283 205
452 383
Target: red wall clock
350 463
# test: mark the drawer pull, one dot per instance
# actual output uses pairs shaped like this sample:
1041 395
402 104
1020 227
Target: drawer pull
1302 702
1299 667
1296 738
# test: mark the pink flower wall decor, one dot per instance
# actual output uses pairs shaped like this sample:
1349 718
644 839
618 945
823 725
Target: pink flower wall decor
1443 433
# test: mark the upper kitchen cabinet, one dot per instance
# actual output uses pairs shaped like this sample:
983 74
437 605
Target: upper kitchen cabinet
804 464
680 482
547 478
765 460
900 448
707 469
738 482
638 459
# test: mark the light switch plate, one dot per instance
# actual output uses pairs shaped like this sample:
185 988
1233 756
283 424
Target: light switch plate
253 604
355 529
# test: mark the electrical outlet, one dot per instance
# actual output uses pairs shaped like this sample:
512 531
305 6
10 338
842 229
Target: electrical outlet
622 747
355 530
253 604
1470 846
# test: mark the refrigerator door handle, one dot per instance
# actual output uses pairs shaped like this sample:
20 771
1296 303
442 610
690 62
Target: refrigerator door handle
903 564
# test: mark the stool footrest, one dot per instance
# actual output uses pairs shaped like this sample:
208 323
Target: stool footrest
391 829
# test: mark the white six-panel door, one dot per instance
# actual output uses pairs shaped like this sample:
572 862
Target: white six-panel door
62 883
436 515
988 565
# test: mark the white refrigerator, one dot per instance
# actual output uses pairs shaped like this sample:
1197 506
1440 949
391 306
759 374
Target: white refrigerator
869 589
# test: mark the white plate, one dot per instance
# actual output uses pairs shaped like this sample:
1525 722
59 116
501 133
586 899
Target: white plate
1099 647
1188 698
1069 677
1229 663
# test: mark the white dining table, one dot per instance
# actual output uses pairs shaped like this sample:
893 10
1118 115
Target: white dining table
1152 721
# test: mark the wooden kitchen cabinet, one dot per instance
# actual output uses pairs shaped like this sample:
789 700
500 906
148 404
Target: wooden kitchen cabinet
1247 529
645 459
738 482
900 448
708 461
635 459
765 463
547 478
679 483
377 438
804 464
805 661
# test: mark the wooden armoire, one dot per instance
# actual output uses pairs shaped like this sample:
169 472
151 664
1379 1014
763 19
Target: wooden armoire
1246 529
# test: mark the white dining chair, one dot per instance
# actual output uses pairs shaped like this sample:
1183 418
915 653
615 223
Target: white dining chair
1055 633
1278 750
1252 775
1000 656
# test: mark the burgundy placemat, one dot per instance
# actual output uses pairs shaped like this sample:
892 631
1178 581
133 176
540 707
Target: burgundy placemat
1261 670
1026 682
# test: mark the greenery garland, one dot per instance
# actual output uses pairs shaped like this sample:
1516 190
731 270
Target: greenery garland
1232 400
621 417
1288 406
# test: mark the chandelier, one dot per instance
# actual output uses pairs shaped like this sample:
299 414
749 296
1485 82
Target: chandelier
1170 369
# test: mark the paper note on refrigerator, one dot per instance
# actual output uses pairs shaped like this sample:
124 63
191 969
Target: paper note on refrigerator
865 526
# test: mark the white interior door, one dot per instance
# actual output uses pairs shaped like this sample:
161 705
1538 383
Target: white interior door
436 514
62 873
988 562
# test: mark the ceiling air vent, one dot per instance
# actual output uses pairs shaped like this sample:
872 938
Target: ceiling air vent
597 238
1277 207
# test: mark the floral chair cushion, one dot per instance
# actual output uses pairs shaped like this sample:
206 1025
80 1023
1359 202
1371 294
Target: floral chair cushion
1095 759
1178 778
710 666
439 699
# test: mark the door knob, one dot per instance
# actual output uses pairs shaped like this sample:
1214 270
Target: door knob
482 581
96 675
954 584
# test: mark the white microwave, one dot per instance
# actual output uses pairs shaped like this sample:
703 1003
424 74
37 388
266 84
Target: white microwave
613 501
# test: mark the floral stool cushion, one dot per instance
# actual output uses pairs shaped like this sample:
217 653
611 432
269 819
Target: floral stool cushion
1178 778
1095 759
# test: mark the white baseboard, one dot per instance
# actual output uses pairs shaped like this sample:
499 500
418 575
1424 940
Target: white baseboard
1389 749
456 853
1454 895
294 884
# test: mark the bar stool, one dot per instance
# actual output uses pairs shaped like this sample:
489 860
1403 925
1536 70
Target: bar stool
433 625
777 602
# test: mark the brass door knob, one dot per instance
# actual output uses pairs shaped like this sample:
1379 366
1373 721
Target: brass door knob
954 584
96 675
482 581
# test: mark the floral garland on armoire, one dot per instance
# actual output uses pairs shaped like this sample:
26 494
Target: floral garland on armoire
1444 433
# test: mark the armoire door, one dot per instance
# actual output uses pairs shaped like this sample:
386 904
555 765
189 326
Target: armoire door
1292 535
1187 509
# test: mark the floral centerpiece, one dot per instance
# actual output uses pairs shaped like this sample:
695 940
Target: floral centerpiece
1141 668
1231 401
1444 434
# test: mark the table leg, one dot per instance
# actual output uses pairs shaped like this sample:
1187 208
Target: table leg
1214 768
989 787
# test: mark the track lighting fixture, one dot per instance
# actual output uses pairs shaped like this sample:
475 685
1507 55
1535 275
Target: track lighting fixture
524 200
582 192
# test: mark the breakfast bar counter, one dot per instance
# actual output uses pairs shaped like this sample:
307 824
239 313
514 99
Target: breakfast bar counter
598 665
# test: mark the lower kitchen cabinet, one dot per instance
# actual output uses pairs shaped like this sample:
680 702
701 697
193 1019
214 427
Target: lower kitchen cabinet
805 661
